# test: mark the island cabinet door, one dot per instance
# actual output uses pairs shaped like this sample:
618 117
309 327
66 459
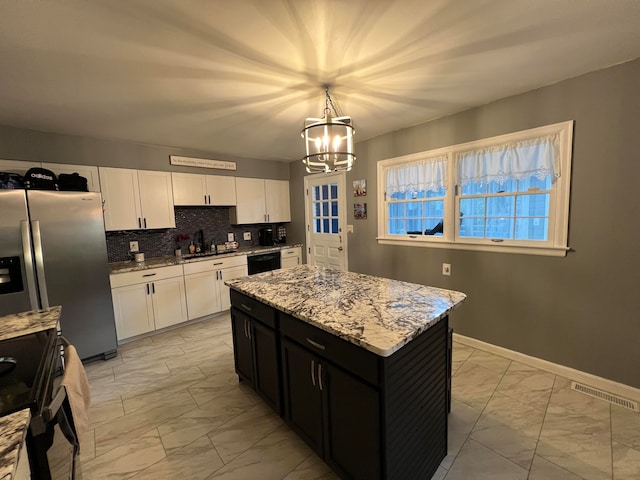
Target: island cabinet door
242 349
352 424
266 365
303 397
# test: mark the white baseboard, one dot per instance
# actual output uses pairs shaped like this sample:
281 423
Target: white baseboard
610 386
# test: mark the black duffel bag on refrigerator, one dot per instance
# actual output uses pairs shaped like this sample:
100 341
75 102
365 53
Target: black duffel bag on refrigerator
72 182
40 179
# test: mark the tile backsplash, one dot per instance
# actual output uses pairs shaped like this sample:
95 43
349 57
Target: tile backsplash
213 221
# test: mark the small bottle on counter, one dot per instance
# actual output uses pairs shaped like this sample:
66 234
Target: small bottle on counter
192 248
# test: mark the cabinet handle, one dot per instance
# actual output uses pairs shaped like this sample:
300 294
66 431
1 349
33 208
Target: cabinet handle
246 307
139 223
153 288
316 344
149 274
246 334
218 263
209 198
313 373
220 272
217 276
147 289
205 199
320 376
249 328
145 223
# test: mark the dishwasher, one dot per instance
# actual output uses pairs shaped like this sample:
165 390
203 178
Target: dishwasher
263 262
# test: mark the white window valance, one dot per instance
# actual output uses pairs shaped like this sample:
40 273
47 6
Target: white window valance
421 175
521 159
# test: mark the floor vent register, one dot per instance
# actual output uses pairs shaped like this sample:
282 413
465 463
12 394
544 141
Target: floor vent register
606 396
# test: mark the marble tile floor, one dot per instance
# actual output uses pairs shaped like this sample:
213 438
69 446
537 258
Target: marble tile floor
170 406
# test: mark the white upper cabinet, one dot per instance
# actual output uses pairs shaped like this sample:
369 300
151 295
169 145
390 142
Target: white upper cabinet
261 201
17 166
193 189
87 171
136 199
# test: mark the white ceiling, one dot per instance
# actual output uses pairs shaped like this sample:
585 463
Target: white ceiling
237 78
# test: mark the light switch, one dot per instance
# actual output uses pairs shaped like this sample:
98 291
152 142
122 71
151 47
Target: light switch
230 237
247 235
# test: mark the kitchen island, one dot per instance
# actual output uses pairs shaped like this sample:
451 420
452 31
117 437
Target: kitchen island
356 364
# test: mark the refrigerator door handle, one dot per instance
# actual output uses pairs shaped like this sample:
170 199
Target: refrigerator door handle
28 264
37 248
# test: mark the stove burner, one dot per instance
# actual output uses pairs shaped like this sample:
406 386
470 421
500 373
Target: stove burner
7 364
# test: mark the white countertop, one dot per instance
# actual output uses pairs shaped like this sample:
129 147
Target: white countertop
378 314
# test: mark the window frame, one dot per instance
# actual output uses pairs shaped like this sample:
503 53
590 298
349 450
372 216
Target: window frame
558 228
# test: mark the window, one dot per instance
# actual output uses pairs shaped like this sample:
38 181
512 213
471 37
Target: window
325 208
508 193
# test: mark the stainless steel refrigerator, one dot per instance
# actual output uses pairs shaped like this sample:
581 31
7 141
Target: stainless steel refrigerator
53 252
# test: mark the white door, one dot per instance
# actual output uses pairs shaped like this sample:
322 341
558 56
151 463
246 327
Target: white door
121 198
229 274
221 190
133 310
251 206
326 215
202 294
189 189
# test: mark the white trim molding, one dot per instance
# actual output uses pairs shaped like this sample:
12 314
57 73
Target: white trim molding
621 389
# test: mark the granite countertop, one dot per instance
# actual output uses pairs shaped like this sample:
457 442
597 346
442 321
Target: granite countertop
18 324
378 314
13 429
131 266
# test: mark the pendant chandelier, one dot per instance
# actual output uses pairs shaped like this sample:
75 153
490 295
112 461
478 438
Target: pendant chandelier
328 140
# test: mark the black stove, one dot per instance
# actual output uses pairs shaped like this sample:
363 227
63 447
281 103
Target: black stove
26 375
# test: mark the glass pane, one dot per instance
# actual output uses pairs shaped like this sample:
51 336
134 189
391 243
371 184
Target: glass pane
325 209
325 225
433 226
508 186
334 225
414 226
398 196
436 193
317 228
414 209
472 227
534 183
334 190
316 209
316 193
325 192
532 228
396 227
474 188
500 207
396 210
433 208
416 194
472 207
532 205
334 209
499 228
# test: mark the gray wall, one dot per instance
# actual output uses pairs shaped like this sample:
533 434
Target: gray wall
579 310
31 145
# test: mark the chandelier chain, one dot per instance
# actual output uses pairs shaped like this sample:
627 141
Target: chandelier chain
329 102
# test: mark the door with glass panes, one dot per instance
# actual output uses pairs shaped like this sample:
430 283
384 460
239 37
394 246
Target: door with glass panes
326 220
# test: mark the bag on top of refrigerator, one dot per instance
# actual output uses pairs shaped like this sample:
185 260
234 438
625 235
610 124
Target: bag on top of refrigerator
10 181
40 179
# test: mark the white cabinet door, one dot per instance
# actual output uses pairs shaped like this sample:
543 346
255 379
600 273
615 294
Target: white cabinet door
169 302
202 294
221 190
277 201
229 274
121 198
133 310
87 171
189 189
156 199
250 201
290 257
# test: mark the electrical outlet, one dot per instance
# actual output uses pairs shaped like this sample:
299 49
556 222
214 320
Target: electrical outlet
349 228
446 269
133 247
231 237
247 235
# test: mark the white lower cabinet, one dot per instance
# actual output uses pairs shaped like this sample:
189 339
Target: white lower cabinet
204 282
290 257
147 300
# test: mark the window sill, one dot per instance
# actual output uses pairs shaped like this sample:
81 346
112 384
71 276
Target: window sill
441 243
